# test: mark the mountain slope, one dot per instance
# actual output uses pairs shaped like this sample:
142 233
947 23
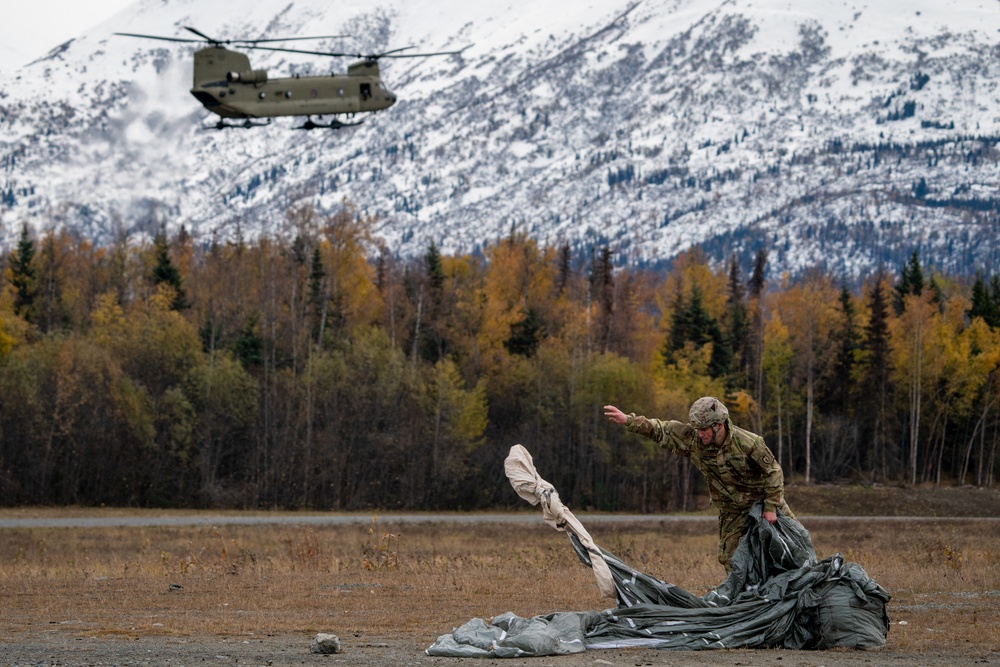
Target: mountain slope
839 134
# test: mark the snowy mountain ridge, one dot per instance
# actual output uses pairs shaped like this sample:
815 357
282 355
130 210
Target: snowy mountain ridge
843 134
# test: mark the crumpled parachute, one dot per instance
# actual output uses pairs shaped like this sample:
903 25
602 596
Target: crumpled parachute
777 595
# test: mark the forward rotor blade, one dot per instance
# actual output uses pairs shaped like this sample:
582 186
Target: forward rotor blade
285 39
309 53
165 39
361 56
204 36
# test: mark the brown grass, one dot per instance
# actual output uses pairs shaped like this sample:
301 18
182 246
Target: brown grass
262 580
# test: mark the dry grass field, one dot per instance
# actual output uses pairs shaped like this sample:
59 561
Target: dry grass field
381 585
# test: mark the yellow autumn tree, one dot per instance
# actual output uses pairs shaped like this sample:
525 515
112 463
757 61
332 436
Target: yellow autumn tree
352 298
808 308
518 288
777 364
458 418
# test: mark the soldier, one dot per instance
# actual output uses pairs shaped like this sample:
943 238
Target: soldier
738 466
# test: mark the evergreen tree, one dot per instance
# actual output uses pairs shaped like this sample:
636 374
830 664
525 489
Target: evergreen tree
911 281
317 293
755 345
995 296
690 322
874 411
847 340
565 269
22 269
526 334
249 346
164 271
602 292
430 339
937 296
756 283
435 270
738 322
984 304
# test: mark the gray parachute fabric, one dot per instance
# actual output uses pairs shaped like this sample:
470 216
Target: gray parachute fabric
778 595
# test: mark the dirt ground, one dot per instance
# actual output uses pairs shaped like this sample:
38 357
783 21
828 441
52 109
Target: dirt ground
953 622
68 649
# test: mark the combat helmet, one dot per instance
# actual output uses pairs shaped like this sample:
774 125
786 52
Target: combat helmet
707 411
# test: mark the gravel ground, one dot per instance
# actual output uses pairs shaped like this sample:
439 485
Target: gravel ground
66 649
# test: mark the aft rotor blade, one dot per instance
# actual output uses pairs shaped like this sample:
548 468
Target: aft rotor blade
392 54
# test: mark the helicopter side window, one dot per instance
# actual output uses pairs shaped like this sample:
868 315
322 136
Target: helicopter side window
366 91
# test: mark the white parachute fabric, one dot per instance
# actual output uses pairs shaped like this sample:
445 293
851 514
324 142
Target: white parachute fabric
777 596
520 470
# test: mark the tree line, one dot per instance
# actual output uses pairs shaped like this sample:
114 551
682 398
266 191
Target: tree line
312 368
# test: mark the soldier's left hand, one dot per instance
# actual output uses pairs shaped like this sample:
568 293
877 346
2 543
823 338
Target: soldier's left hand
770 516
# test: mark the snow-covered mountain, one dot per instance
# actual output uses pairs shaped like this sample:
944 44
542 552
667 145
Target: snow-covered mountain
842 133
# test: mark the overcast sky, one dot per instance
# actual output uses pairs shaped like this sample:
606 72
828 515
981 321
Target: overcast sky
30 28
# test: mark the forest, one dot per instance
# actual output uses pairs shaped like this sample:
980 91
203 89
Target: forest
312 368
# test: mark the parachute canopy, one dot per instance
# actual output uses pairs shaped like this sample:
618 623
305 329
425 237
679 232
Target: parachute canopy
777 595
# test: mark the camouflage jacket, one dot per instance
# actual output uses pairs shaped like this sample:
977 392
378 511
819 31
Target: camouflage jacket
739 472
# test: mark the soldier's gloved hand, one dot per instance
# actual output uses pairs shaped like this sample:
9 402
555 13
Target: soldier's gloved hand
770 516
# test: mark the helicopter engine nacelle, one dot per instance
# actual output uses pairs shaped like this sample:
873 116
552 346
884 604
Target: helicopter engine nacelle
255 76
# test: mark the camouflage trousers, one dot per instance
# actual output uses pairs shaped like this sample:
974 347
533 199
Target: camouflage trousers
732 524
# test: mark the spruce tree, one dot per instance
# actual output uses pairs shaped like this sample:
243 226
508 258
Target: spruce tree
690 322
22 268
317 293
984 304
602 291
874 412
847 340
755 345
737 336
164 271
431 341
911 281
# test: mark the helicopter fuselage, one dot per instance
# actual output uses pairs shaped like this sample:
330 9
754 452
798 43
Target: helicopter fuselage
227 86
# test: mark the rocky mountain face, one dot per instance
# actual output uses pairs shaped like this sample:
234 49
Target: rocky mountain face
844 135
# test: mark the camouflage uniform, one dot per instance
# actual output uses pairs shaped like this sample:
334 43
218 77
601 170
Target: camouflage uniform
739 472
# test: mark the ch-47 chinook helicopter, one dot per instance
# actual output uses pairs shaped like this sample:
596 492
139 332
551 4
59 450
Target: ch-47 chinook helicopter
226 84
